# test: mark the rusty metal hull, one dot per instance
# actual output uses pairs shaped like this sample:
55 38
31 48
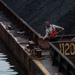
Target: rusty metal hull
21 53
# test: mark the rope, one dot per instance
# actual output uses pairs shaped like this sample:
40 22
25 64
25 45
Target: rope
61 36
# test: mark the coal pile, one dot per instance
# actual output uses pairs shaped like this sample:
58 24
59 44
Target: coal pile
36 12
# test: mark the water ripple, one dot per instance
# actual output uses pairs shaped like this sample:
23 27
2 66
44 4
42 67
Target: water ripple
6 67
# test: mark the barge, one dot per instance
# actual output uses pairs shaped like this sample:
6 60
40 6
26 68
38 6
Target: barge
32 51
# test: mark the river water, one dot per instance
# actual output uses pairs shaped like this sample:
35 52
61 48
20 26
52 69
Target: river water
8 63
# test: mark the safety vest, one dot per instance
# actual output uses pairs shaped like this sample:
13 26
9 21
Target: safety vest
53 33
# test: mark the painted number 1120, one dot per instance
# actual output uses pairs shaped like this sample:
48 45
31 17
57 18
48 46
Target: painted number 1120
67 48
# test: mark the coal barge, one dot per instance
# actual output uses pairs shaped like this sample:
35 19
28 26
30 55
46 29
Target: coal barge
32 51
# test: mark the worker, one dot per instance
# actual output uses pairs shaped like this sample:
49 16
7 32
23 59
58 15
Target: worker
51 31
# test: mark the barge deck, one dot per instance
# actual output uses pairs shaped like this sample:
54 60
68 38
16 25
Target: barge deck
45 64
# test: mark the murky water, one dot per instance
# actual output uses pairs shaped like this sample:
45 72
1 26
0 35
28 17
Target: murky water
8 63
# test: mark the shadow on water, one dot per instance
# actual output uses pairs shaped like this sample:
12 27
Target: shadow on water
8 63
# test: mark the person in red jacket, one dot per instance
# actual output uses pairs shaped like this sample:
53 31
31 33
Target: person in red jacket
51 31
